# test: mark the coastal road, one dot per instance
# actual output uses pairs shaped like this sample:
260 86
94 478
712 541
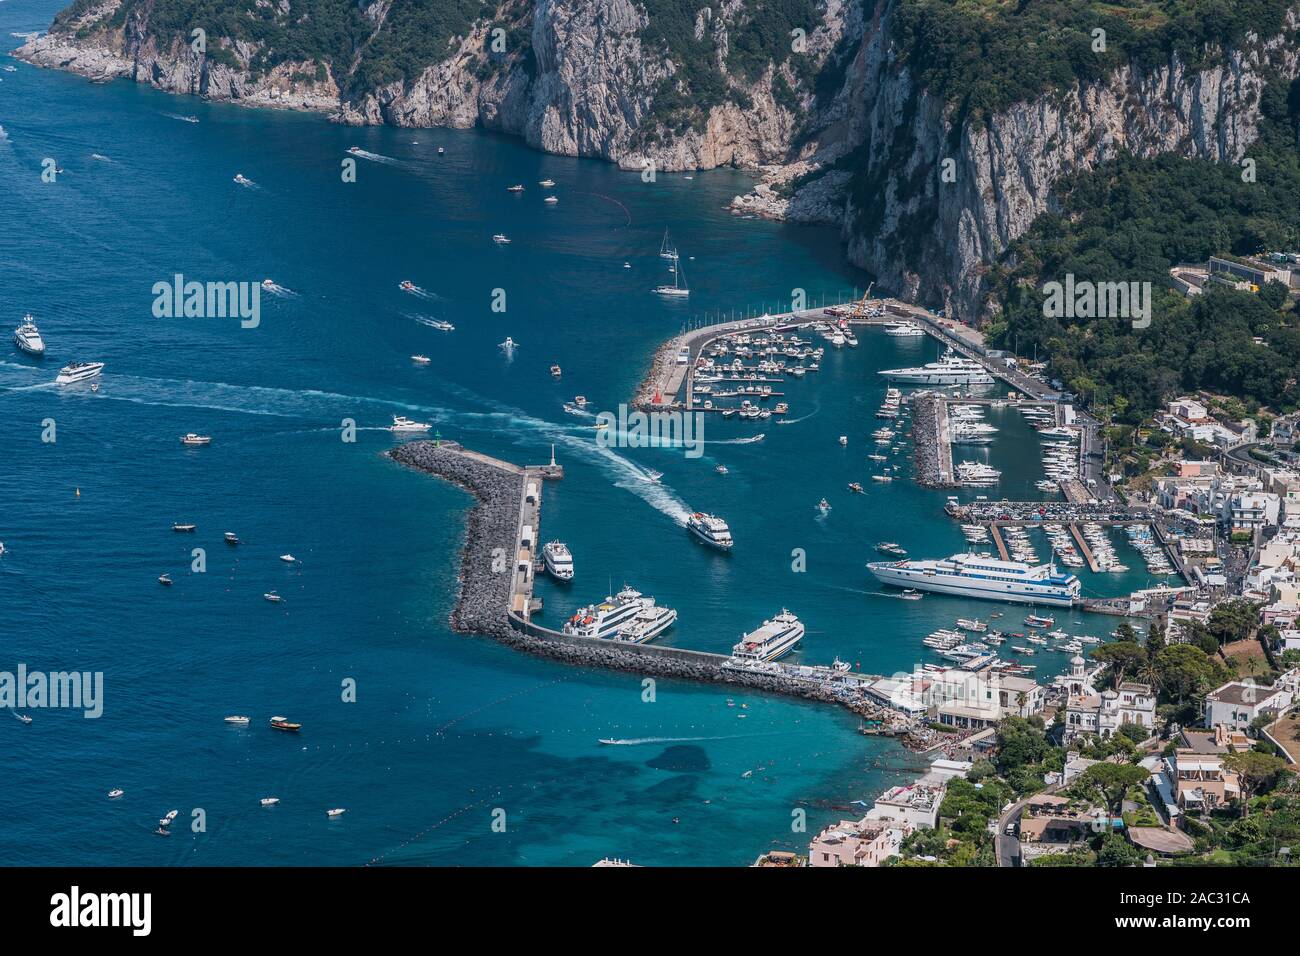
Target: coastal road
1007 846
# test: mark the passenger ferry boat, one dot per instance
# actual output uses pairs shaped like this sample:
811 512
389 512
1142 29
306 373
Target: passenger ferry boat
773 640
951 369
78 372
982 576
28 337
646 626
608 617
558 560
710 529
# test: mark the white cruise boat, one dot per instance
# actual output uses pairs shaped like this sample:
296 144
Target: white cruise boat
647 625
951 369
774 639
189 438
608 617
558 560
904 330
982 576
404 424
710 529
78 372
28 337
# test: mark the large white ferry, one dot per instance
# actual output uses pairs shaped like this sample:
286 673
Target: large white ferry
951 369
710 529
982 576
28 337
610 616
647 625
774 639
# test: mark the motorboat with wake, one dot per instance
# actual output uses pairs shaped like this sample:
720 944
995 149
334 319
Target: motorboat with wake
78 372
28 337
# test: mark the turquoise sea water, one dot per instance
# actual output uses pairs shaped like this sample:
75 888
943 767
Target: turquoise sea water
445 728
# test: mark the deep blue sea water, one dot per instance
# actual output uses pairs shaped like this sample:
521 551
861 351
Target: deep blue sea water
445 728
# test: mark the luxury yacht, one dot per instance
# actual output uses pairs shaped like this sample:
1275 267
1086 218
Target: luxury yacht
904 330
78 372
951 369
404 424
710 529
28 337
558 560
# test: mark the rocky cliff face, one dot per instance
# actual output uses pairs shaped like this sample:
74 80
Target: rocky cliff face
930 236
926 199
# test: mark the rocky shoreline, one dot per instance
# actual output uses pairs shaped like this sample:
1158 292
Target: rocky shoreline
483 600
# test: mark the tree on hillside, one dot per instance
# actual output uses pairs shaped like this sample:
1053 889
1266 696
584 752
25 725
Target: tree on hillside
1255 771
1123 657
1111 782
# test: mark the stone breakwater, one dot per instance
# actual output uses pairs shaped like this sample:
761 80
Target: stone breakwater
482 606
927 450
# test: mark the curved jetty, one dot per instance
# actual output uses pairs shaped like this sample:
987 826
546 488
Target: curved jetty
497 568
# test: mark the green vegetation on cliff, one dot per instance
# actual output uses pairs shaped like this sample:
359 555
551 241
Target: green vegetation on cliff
1131 220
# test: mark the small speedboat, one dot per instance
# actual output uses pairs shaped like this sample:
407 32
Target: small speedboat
163 831
115 793
288 558
231 537
406 285
516 188
355 150
844 439
166 821
823 506
547 183
23 717
243 180
501 239
272 597
720 469
556 371
184 527
284 723
268 284
270 801
165 579
550 200
237 719
855 487
420 359
336 812
189 438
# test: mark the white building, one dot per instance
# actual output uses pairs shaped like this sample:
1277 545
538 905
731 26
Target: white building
864 842
1238 702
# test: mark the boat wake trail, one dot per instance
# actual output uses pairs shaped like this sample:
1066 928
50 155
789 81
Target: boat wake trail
183 119
276 289
375 157
424 294
637 741
100 157
428 320
739 441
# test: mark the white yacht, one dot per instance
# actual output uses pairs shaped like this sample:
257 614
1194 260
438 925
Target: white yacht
950 369
710 529
652 621
774 639
189 438
678 289
547 183
404 424
558 560
982 576
28 337
237 719
904 330
509 344
608 617
501 239
78 372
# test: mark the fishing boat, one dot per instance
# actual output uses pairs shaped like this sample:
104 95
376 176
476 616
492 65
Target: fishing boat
184 528
284 723
189 438
231 537
547 183
237 719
